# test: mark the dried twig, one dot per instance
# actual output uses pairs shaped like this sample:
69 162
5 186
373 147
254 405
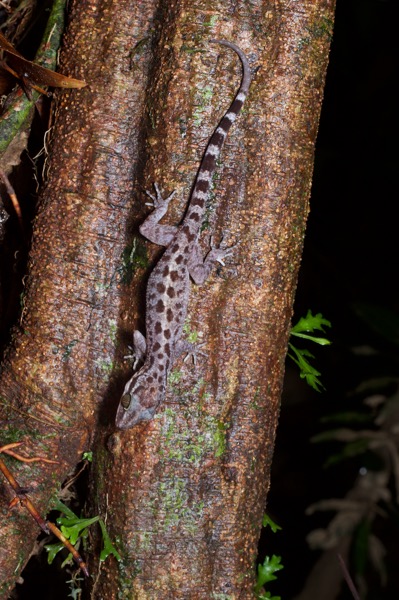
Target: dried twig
46 526
348 578
13 196
7 449
20 495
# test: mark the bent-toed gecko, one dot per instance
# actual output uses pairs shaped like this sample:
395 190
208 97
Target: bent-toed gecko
168 285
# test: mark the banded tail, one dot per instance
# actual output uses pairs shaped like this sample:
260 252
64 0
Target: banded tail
215 144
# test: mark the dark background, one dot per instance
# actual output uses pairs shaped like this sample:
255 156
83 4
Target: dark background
349 273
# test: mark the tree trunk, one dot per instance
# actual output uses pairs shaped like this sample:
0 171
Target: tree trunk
184 493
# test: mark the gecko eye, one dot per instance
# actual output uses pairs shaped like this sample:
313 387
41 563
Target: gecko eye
126 400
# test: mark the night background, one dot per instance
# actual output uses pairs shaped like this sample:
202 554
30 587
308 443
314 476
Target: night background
349 273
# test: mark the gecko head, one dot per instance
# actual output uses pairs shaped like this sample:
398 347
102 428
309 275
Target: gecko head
139 401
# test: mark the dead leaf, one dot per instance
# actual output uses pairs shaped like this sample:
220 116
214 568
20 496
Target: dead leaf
32 74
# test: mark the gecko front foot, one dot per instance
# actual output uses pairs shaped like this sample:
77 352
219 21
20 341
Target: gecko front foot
151 228
158 200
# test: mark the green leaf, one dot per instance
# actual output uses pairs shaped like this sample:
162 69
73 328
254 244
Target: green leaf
311 323
266 571
53 550
268 521
17 115
67 561
306 371
73 529
63 508
109 548
312 338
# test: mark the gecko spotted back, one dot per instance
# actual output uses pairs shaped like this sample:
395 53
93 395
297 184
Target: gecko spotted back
169 283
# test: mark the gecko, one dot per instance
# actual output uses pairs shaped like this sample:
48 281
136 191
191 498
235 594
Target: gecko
168 286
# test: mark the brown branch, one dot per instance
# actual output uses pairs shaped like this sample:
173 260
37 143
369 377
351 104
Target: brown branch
13 196
22 497
7 449
348 578
76 556
46 526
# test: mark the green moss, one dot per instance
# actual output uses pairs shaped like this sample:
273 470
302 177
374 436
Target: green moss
113 329
190 445
190 336
12 434
133 257
68 349
220 439
126 575
255 401
105 364
144 540
176 507
202 105
174 377
212 21
321 28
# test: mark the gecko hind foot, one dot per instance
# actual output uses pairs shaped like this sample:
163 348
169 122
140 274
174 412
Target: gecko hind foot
190 350
193 352
138 351
217 253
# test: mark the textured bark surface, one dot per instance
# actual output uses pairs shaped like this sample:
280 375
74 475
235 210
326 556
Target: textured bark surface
57 372
184 494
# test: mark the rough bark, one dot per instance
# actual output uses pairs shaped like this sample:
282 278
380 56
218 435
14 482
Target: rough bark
185 493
